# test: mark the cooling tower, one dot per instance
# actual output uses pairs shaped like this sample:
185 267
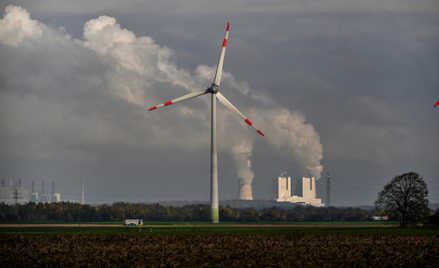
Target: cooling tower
245 192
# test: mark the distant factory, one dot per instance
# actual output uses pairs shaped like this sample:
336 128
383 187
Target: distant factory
17 194
43 196
305 191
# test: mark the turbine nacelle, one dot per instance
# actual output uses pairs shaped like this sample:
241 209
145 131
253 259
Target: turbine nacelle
213 89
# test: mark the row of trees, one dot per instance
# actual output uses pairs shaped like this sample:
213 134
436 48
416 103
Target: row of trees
74 212
403 198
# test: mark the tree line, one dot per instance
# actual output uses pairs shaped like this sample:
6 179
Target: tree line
404 199
117 212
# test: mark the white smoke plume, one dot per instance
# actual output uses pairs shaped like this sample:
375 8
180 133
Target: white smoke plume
116 76
296 139
241 154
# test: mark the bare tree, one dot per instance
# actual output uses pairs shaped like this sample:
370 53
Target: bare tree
405 197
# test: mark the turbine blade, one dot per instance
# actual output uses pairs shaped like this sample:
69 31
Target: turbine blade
219 68
185 97
229 105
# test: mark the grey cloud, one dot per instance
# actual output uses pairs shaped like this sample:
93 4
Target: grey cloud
76 112
364 77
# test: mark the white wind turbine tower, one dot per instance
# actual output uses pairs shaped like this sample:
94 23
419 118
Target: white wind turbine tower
213 89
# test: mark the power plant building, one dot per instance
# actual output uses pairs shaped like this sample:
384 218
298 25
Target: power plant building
21 195
14 194
282 190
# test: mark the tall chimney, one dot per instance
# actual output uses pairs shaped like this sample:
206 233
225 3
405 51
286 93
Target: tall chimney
19 182
82 185
43 189
10 180
53 187
33 189
3 182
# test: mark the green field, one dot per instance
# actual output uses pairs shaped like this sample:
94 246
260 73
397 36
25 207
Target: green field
204 229
384 223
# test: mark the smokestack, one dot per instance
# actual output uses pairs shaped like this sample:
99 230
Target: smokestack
314 192
53 187
19 182
82 186
10 180
245 192
3 182
42 193
33 189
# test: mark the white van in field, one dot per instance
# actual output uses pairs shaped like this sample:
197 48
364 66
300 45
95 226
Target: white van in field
380 218
133 222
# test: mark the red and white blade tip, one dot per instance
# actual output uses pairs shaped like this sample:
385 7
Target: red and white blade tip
436 103
251 124
228 23
164 104
225 39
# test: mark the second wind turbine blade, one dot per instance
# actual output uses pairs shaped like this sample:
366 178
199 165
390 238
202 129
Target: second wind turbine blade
219 68
229 105
182 98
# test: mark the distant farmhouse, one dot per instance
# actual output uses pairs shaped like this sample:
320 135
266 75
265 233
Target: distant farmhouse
305 189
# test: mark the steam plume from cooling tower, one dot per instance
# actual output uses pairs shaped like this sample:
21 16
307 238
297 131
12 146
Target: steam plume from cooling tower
241 153
295 138
292 136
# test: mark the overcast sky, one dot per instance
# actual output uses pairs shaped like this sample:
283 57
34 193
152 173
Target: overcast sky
345 87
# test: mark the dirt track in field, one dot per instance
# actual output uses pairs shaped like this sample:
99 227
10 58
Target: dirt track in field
203 225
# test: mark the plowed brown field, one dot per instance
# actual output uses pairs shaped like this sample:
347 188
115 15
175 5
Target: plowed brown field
218 251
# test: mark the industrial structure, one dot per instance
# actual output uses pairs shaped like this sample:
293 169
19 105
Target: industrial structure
13 194
245 192
328 190
19 194
282 190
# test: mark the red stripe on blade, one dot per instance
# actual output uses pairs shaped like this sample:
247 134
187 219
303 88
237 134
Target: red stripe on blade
228 26
168 103
436 103
248 122
261 133
153 108
225 43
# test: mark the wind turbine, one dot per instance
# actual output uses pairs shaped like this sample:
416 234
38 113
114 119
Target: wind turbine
213 89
